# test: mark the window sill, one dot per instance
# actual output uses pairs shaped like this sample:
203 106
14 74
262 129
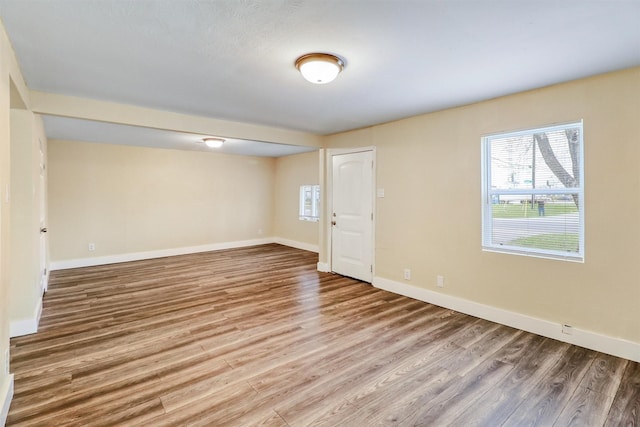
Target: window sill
309 219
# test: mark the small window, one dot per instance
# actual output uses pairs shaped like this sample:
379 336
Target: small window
533 192
309 203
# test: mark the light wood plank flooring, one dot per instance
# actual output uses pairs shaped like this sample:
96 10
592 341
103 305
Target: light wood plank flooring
256 336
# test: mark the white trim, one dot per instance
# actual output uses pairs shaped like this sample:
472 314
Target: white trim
44 281
543 254
136 256
583 338
544 127
18 328
6 395
295 244
324 267
339 151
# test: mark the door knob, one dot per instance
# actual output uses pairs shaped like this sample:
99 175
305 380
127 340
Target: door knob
43 230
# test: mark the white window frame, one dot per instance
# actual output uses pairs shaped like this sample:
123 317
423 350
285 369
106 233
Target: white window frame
315 203
488 195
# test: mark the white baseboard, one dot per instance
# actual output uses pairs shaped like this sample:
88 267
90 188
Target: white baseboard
295 244
6 395
18 328
323 267
583 338
137 256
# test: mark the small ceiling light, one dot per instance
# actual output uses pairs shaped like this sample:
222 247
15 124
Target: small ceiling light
319 68
213 142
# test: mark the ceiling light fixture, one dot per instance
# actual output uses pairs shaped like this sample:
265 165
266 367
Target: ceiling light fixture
213 142
319 68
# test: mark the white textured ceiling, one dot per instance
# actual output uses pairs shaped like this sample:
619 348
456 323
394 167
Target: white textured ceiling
233 59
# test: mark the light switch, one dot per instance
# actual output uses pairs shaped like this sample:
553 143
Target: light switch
380 193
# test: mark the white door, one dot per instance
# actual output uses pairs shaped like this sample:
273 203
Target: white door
352 215
43 226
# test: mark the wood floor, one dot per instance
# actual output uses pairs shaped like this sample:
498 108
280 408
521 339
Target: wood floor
256 336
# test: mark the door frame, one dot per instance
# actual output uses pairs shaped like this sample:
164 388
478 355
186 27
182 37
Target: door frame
42 217
328 198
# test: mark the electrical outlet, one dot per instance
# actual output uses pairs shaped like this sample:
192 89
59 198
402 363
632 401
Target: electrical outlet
407 274
92 247
567 329
440 281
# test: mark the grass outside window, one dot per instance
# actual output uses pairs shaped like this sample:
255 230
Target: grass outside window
525 210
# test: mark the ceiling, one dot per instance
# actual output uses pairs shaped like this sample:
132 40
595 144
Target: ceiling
91 131
233 60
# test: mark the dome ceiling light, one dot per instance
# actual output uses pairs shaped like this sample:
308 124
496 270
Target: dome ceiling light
319 68
213 142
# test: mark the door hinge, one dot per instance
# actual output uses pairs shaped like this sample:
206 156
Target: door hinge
371 216
371 268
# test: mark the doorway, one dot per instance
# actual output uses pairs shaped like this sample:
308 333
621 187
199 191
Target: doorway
351 217
42 220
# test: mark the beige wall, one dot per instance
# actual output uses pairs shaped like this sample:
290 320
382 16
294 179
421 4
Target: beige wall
25 292
4 217
430 218
13 92
131 199
104 111
291 173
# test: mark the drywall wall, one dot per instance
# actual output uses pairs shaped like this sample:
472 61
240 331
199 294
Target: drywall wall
430 218
93 109
129 200
6 380
291 173
13 93
26 284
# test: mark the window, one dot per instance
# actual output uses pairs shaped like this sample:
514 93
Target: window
309 203
533 194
